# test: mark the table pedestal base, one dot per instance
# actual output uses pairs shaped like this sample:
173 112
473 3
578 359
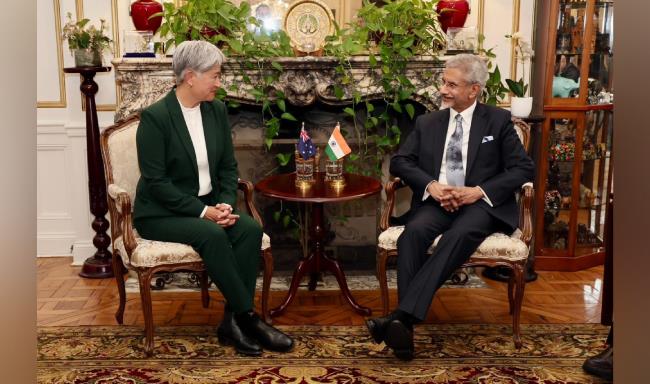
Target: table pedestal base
316 262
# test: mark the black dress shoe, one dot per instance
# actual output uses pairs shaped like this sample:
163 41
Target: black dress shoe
378 326
601 365
230 333
270 337
399 337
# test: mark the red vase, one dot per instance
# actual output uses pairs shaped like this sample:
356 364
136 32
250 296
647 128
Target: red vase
140 12
452 13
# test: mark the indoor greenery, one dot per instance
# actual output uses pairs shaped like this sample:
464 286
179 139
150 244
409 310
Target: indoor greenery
494 91
390 35
213 20
81 36
523 53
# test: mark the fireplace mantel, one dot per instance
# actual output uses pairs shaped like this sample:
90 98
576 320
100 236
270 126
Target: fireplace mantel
304 81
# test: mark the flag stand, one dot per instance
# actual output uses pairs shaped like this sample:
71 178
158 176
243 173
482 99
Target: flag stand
305 169
334 173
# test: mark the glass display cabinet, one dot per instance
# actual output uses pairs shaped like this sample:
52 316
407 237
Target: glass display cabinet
574 174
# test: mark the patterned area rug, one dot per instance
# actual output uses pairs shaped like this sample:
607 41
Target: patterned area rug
337 354
357 281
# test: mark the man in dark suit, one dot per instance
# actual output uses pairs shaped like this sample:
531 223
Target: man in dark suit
463 164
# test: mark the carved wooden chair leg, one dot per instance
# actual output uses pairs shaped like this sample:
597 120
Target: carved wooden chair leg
119 278
520 284
266 284
205 295
144 278
511 292
382 256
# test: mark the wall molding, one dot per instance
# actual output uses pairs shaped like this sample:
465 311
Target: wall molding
81 250
55 244
62 102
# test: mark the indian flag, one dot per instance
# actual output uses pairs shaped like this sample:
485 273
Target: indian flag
336 146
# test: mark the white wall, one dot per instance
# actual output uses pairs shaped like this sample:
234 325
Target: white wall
63 214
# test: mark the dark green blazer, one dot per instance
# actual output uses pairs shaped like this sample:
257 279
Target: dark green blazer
169 178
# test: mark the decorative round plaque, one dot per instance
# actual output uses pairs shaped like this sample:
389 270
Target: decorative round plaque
308 23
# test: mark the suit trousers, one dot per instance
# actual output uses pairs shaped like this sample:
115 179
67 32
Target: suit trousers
419 275
231 255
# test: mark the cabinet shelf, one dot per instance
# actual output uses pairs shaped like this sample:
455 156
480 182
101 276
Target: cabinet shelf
592 207
572 160
583 4
580 53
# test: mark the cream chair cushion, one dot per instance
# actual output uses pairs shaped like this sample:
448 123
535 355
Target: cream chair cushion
495 246
150 253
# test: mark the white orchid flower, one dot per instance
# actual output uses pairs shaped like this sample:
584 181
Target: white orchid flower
517 35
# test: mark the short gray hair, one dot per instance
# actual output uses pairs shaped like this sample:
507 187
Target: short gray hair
473 67
197 56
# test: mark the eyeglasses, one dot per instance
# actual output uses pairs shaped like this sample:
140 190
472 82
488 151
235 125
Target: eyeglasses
451 85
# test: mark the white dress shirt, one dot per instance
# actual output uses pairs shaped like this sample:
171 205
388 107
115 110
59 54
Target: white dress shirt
194 122
466 121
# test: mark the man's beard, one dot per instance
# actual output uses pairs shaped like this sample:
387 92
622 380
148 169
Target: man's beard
444 104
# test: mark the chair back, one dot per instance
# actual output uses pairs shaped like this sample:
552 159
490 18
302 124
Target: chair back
523 131
121 156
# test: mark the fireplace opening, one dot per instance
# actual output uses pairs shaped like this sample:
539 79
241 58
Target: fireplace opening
352 229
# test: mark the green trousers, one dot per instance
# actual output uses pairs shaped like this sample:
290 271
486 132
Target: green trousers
231 255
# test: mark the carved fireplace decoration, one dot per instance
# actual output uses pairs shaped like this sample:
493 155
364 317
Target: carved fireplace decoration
304 81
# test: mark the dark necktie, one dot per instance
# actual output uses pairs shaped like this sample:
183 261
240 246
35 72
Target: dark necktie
454 155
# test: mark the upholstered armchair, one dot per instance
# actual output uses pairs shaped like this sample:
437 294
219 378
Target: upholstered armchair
497 249
147 257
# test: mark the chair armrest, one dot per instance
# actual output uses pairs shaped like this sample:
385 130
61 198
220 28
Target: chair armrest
387 210
525 212
247 187
119 198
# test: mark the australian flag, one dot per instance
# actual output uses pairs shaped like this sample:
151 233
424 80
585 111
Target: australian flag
305 146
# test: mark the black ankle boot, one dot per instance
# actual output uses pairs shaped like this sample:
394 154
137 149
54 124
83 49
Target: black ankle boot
270 337
601 365
230 333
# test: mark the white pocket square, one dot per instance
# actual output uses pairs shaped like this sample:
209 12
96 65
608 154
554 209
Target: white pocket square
486 139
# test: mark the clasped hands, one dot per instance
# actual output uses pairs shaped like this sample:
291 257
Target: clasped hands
221 214
451 198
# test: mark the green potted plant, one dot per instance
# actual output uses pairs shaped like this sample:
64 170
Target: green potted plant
520 104
86 43
218 21
494 91
404 24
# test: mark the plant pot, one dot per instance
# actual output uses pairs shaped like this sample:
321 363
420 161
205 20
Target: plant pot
208 33
141 10
452 13
521 106
87 58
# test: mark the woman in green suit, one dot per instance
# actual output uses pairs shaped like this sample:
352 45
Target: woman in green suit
187 191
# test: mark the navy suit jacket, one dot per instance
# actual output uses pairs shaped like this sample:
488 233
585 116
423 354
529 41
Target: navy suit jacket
499 166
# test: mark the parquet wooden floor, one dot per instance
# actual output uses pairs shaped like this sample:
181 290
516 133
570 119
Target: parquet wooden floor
65 299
